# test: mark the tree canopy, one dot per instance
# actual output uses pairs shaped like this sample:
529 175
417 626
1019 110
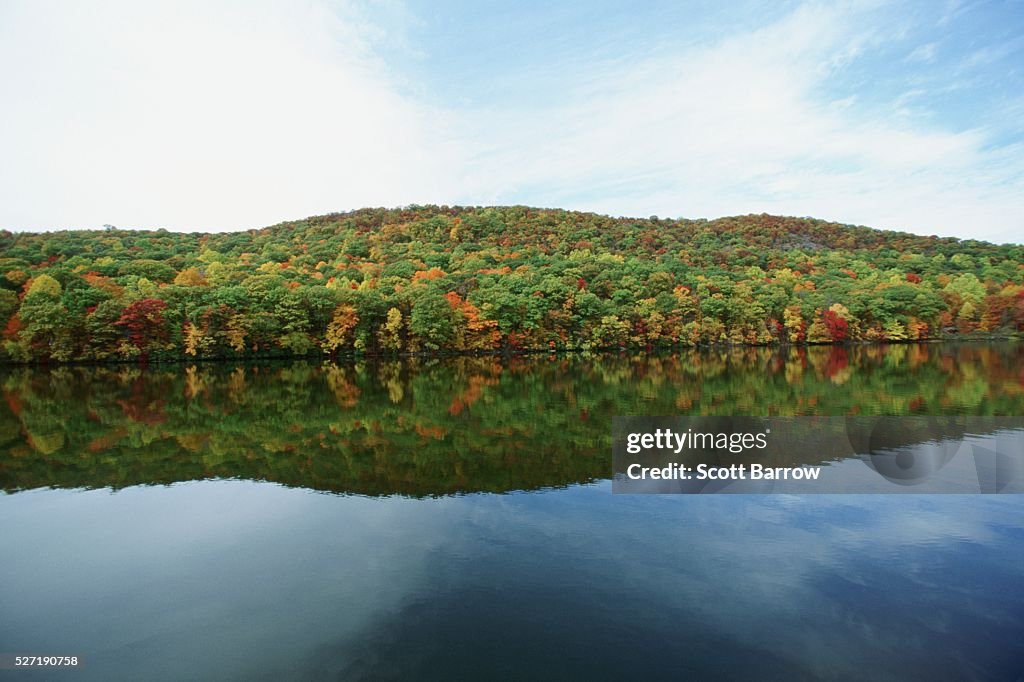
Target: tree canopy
479 279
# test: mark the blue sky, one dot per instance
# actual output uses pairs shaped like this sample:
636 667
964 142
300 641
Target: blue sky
214 116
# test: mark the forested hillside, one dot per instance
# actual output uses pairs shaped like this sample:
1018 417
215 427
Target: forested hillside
430 278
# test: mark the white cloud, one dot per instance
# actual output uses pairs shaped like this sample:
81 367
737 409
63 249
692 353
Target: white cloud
194 117
923 53
199 116
744 126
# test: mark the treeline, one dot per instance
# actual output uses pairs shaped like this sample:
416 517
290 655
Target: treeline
421 426
424 279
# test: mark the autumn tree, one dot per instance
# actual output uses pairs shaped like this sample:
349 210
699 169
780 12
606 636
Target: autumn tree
390 334
145 326
191 277
339 331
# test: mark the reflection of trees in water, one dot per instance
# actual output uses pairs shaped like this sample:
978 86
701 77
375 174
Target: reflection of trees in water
437 426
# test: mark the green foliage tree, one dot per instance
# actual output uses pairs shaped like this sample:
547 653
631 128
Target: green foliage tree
432 321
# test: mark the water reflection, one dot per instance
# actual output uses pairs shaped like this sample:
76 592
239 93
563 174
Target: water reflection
444 426
241 580
816 454
249 579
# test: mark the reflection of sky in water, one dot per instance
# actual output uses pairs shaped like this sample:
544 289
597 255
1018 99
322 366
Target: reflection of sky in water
247 580
990 461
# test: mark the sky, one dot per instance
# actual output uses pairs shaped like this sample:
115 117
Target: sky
232 115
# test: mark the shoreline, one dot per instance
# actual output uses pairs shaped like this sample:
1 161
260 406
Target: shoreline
505 353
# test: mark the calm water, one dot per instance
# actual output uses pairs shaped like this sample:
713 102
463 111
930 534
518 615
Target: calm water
452 519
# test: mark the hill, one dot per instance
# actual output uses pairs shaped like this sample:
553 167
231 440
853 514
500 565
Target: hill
429 278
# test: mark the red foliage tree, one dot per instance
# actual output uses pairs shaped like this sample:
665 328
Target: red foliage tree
145 323
838 328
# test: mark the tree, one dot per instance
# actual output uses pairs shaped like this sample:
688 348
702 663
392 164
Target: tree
472 332
191 277
612 332
390 335
145 325
836 322
197 340
339 331
44 285
8 305
795 325
237 331
432 321
46 326
819 331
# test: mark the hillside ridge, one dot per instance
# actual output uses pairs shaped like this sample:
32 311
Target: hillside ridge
472 279
381 216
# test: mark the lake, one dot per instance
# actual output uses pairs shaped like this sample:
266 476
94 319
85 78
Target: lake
453 518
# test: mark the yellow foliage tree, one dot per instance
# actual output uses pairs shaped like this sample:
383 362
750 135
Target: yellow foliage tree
339 331
794 322
191 277
895 331
197 341
236 332
390 334
612 332
818 331
44 285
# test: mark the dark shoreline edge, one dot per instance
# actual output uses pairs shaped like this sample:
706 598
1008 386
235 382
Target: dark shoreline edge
508 352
